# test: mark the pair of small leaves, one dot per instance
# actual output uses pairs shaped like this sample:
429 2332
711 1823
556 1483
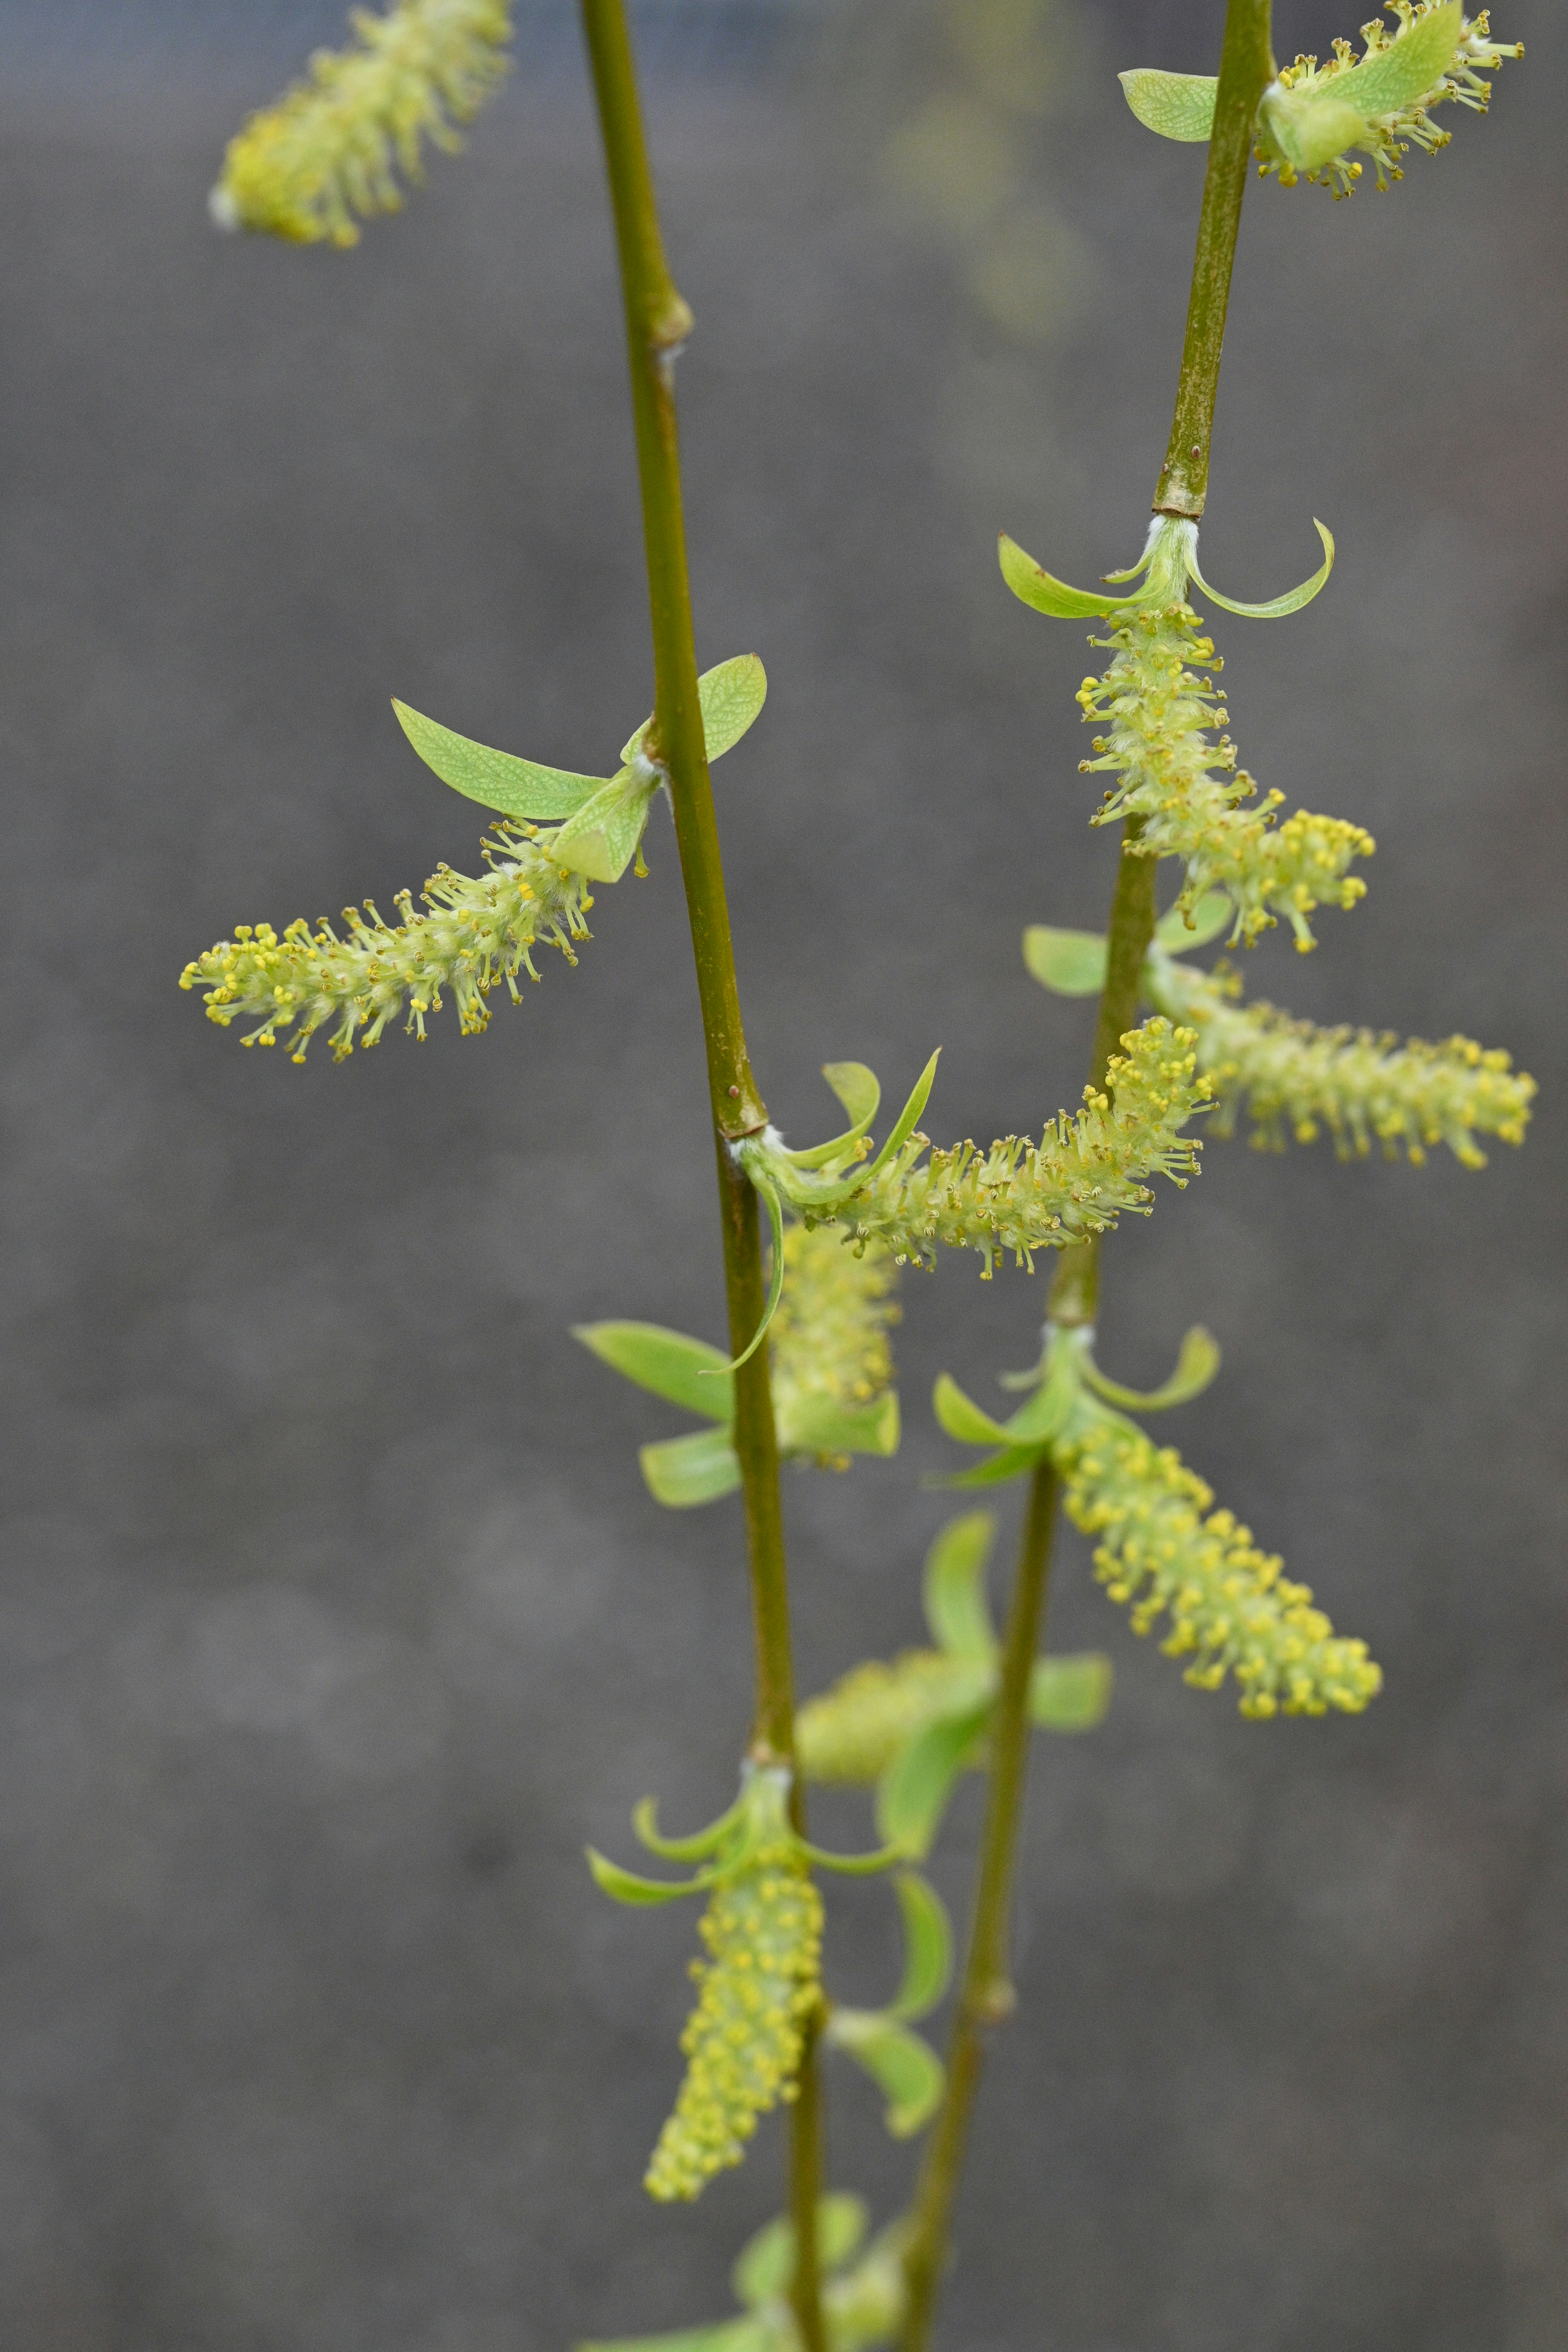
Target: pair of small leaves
1307 128
602 818
683 1472
1072 963
905 2067
1066 1370
1169 560
1067 1694
758 1818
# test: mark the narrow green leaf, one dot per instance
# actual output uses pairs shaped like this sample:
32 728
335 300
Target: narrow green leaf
961 1418
904 1125
817 1425
1281 606
745 2334
497 780
764 2268
730 697
1034 586
601 839
1307 128
906 2070
912 1794
1044 1416
928 1948
1209 918
1196 1365
695 1848
1178 106
774 1203
1414 63
627 1886
994 1471
955 1592
1070 964
858 1091
685 1371
682 1472
1070 1694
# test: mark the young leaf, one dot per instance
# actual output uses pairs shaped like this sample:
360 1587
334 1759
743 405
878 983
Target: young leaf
904 2067
912 1794
1070 964
814 1423
701 1842
1414 63
682 1472
955 1595
685 1371
497 780
731 696
627 1886
961 1418
1279 607
904 1125
1034 586
1196 1365
1044 1416
774 1204
765 2266
858 1091
1178 106
1070 1693
1211 915
928 1948
601 839
994 1471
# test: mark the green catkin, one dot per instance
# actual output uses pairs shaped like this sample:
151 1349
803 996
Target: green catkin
1162 714
852 1732
828 1340
1020 1196
1390 136
742 2043
1160 1547
477 933
1364 1089
331 146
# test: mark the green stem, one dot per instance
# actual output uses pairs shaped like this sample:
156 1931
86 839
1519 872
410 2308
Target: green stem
1246 70
986 1997
657 323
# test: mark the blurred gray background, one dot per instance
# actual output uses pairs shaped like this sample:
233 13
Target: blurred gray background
334 1617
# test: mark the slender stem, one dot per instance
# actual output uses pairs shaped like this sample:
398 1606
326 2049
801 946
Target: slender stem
1246 70
657 323
986 1997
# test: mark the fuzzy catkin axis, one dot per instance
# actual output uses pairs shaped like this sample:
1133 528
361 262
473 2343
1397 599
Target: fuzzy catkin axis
1161 713
742 2043
331 146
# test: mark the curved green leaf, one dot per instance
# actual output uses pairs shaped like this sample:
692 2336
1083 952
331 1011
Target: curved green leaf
1280 606
961 1418
1413 63
1196 1365
684 1371
774 1204
497 780
1070 964
645 1822
1212 912
764 2268
1043 1415
682 1472
858 1089
928 1948
954 1590
995 1471
1307 128
1070 1694
1178 106
912 1794
627 1886
601 839
906 2068
1034 586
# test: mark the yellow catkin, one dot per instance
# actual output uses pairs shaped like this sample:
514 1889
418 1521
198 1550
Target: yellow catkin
1189 794
1390 136
1364 1089
762 1930
1020 1196
852 1732
1161 1548
330 147
477 933
828 1339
